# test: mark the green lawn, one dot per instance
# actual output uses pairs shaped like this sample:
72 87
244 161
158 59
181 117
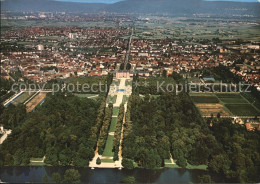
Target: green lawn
128 83
107 160
125 99
242 110
115 111
86 95
155 96
202 167
167 161
113 125
111 99
36 159
22 98
232 98
116 82
171 166
205 99
37 164
109 146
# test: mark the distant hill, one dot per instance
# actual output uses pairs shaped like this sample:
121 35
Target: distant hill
50 6
176 7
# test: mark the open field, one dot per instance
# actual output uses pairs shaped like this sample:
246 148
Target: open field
208 109
253 100
205 99
109 146
231 98
22 98
227 104
242 110
35 101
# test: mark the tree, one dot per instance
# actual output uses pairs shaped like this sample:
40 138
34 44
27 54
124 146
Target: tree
98 161
127 163
128 66
220 163
56 178
205 179
182 162
164 74
71 176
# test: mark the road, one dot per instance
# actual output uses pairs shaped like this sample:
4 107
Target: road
8 74
4 136
128 50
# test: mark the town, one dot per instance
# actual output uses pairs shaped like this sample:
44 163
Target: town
128 117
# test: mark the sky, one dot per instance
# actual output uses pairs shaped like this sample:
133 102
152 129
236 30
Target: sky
114 1
236 0
92 1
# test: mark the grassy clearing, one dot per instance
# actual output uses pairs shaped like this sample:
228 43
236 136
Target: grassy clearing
205 99
171 166
113 125
109 146
242 110
232 98
201 167
36 159
167 161
107 161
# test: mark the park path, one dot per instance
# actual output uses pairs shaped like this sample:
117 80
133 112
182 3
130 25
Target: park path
121 138
38 161
4 136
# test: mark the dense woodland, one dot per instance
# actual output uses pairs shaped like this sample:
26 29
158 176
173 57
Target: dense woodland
156 127
63 129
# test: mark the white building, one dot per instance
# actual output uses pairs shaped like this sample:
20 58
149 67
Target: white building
40 47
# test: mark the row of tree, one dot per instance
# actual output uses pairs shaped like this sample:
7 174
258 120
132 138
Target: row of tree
117 136
104 129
